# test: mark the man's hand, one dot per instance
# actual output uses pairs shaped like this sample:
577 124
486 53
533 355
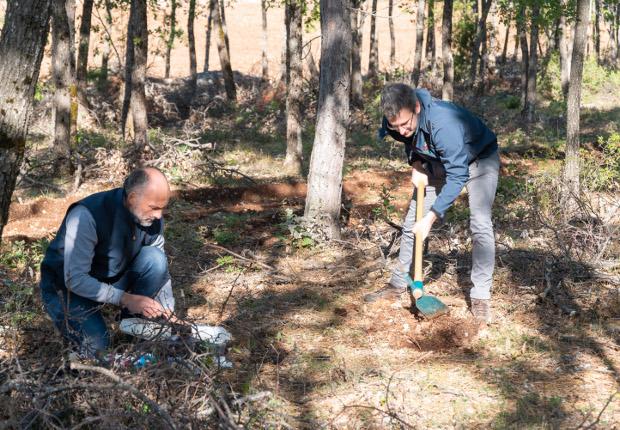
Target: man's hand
418 175
142 305
423 226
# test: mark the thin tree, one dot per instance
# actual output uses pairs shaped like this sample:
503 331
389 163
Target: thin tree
294 154
480 37
323 199
598 4
530 105
373 56
565 48
63 72
430 35
107 45
571 167
135 74
191 43
447 91
392 37
82 60
223 21
22 41
224 53
525 56
419 38
265 42
172 25
208 35
505 48
357 24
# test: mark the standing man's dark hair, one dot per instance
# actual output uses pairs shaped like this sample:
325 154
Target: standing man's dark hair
395 97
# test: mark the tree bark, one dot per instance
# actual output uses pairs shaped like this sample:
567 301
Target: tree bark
571 167
373 57
447 91
135 75
191 42
265 42
208 35
530 106
323 200
224 53
597 29
22 41
357 24
294 153
82 62
515 53
525 56
419 38
392 37
505 49
565 53
223 20
480 37
63 72
172 23
105 53
430 35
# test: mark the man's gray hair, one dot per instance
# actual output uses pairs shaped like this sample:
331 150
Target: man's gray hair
397 96
137 180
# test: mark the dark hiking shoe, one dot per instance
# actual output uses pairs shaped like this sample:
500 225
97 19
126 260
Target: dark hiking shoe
387 292
481 309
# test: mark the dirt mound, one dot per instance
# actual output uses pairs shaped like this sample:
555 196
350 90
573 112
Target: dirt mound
445 333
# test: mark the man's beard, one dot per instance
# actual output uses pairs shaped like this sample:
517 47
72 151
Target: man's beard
143 222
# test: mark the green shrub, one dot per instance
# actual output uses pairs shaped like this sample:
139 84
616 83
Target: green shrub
600 171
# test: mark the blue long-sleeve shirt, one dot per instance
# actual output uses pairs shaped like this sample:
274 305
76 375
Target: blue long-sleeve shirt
80 241
451 135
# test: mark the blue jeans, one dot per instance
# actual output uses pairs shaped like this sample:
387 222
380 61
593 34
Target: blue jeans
80 319
481 188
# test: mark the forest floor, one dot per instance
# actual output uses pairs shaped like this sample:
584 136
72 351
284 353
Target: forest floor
303 336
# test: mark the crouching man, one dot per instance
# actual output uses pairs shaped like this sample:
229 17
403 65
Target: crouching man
109 249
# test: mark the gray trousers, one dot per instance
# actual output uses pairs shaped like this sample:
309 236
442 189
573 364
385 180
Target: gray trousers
481 189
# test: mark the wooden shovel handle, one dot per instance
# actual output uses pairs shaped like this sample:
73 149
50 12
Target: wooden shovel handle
419 214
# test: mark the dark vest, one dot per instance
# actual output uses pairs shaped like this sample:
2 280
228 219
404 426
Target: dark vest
119 239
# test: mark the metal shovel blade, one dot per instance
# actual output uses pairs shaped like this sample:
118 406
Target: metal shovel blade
431 307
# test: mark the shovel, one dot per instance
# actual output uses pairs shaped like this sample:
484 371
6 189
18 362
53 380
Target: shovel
428 306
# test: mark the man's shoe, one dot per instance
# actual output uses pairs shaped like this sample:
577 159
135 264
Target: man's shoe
387 292
481 309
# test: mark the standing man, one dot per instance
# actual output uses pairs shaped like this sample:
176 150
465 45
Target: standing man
109 249
449 148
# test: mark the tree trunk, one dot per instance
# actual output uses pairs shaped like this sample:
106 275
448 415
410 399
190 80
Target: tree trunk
22 41
419 38
294 154
223 20
357 24
373 57
447 90
63 72
105 53
208 35
82 62
430 35
135 75
480 37
284 54
530 106
323 200
224 53
191 42
392 37
597 29
515 53
525 57
571 168
505 49
265 42
565 54
172 23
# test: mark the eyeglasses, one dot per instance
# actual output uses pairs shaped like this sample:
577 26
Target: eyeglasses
406 125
